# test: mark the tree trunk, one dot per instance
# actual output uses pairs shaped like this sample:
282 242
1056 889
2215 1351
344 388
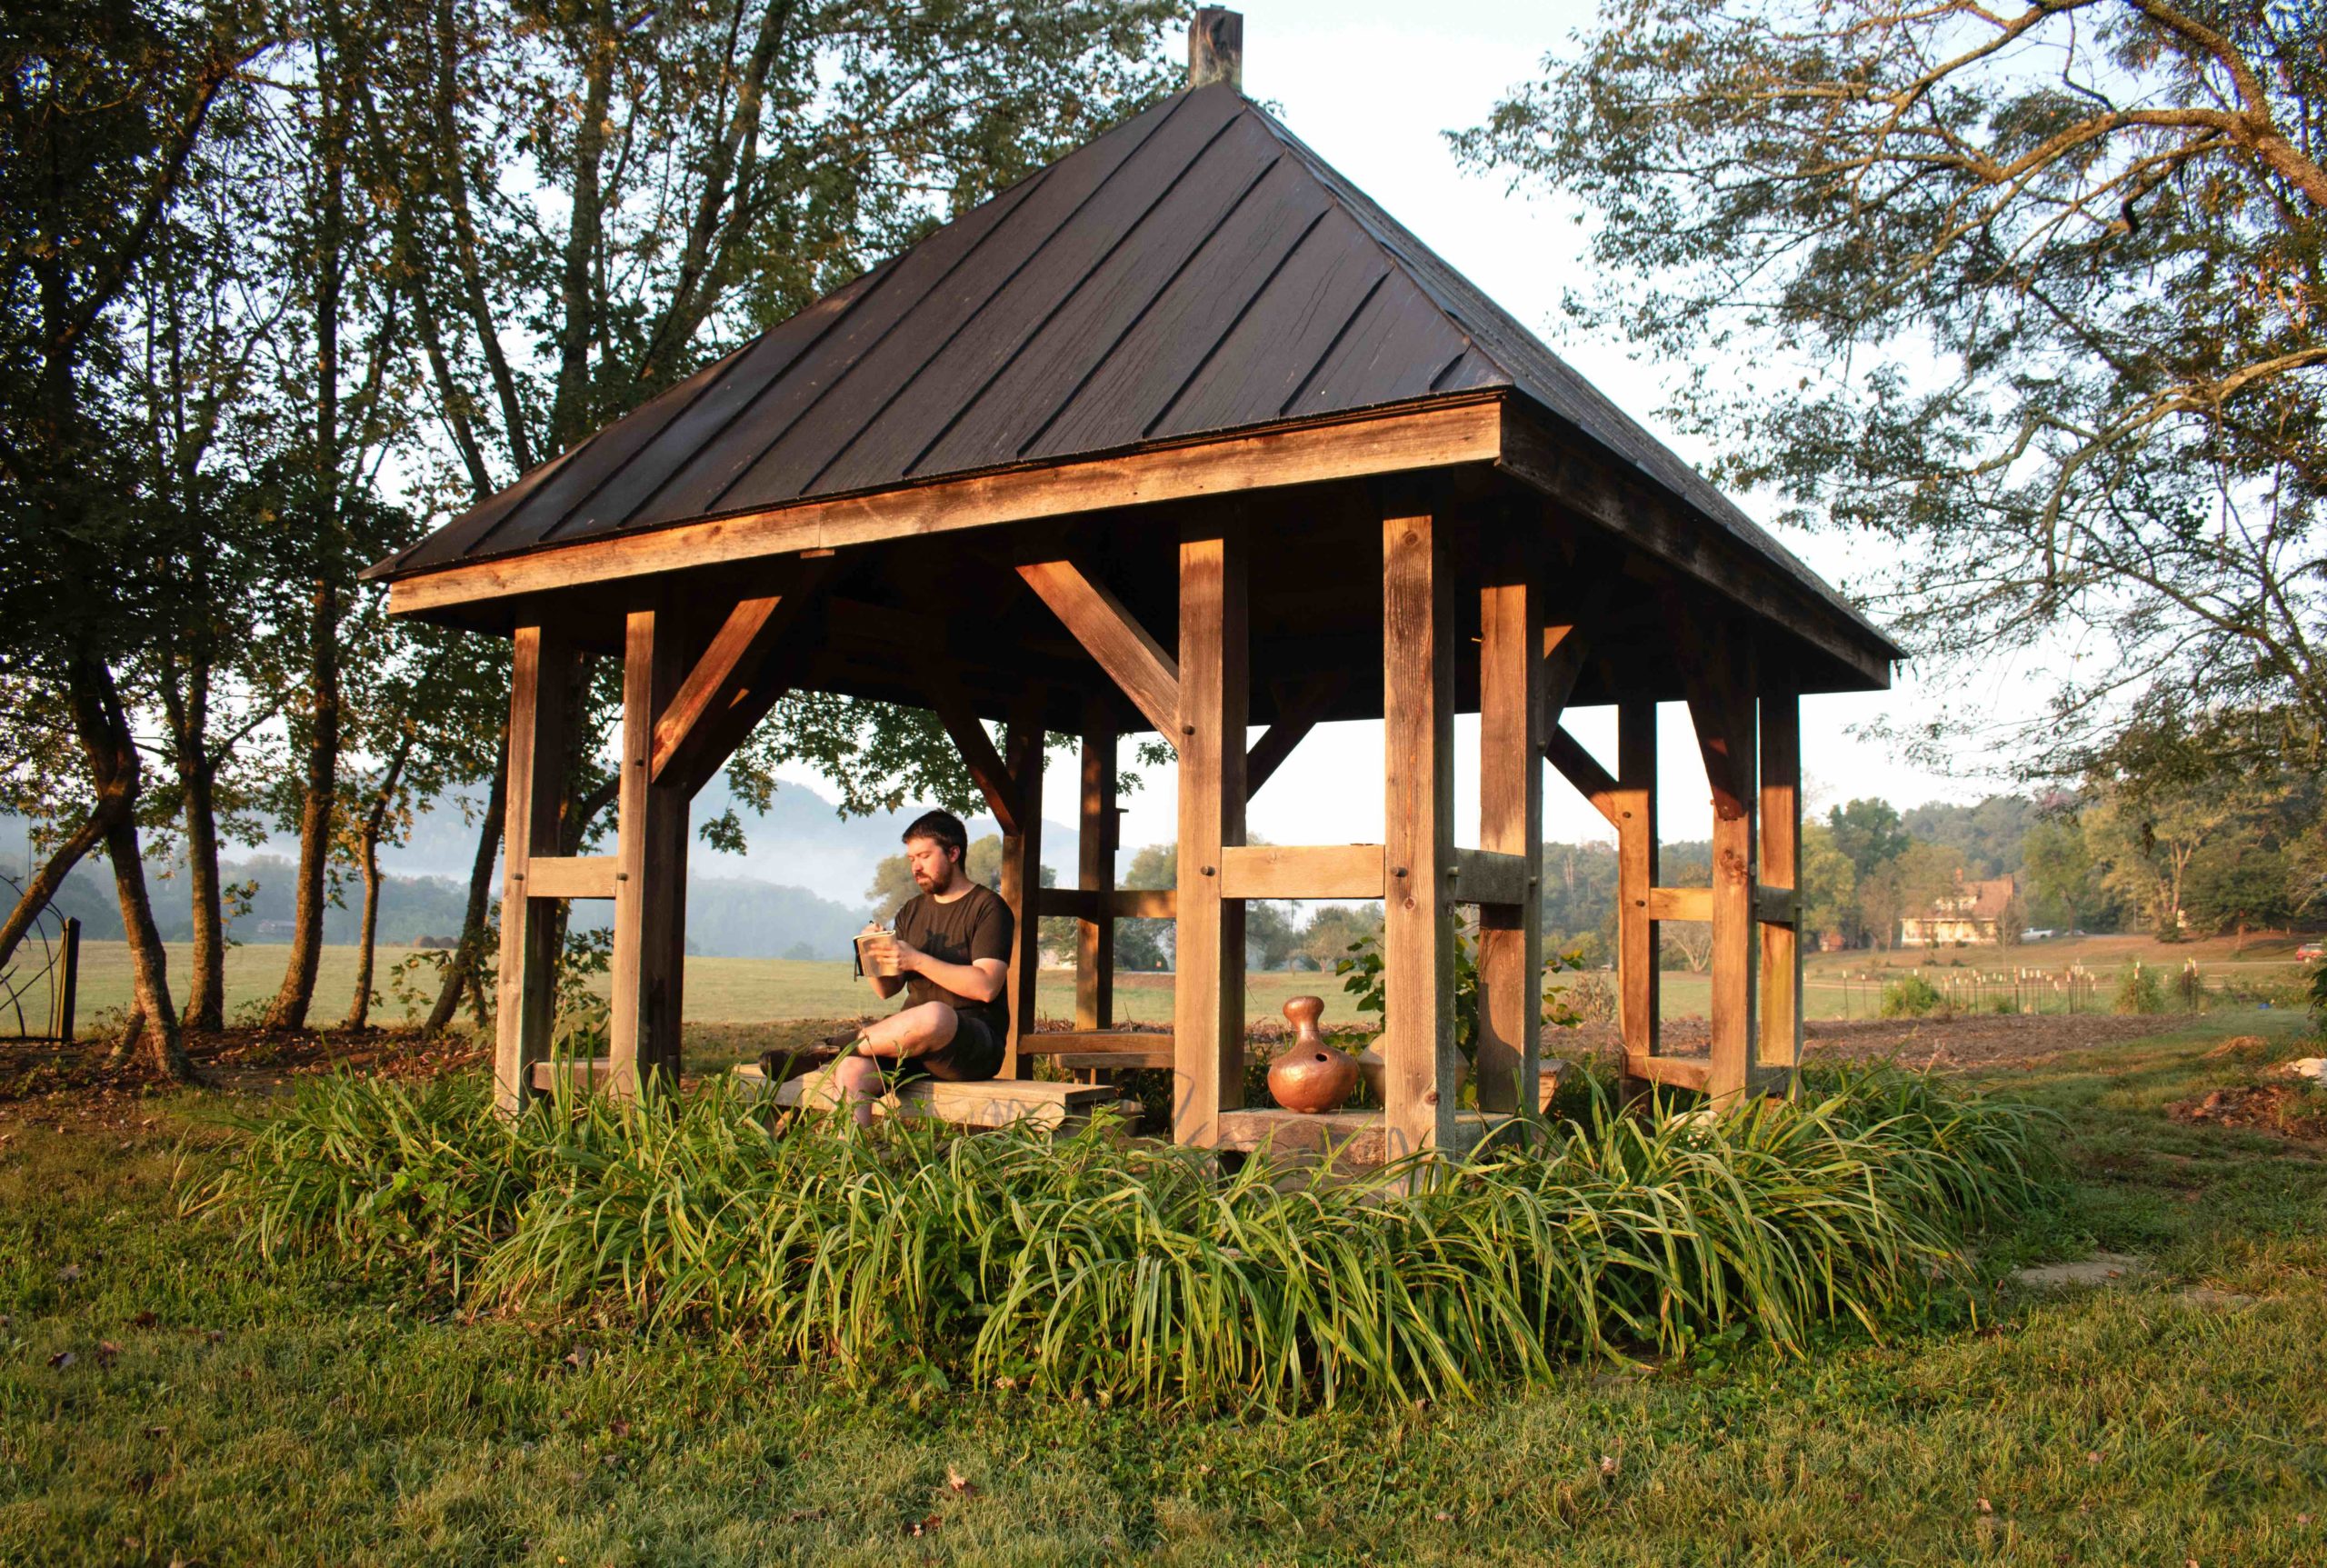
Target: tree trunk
186 708
359 1006
465 964
163 1049
205 1003
298 989
114 768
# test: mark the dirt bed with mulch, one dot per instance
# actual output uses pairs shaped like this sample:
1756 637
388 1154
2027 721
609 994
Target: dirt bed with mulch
1969 1040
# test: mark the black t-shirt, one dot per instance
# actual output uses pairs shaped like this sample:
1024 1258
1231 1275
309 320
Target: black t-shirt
961 931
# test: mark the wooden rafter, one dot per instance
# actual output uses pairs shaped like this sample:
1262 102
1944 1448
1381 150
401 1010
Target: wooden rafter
1112 636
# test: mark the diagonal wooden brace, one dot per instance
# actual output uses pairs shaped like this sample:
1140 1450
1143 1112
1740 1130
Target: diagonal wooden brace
1564 648
1716 665
732 687
1582 770
987 770
1113 637
1297 714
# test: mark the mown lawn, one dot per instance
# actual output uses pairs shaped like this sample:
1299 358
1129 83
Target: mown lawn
220 1410
758 990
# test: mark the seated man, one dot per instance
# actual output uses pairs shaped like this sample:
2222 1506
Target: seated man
951 950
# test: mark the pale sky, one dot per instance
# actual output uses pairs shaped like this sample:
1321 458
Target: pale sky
1371 86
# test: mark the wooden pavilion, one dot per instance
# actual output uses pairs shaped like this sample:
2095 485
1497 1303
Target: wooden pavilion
1179 433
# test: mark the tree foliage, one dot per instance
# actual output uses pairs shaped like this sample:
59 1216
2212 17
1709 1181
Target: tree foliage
2036 295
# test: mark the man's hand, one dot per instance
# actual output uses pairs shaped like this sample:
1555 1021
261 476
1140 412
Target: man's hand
908 957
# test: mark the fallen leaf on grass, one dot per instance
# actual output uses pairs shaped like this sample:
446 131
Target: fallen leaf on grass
68 1273
619 1427
107 1351
1986 1507
143 1320
802 1516
926 1527
2093 1457
1443 1517
959 1481
1607 1465
63 1359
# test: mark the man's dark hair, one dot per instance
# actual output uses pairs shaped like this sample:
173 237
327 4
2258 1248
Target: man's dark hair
946 828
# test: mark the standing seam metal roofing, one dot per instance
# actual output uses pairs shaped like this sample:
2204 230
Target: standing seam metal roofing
1194 271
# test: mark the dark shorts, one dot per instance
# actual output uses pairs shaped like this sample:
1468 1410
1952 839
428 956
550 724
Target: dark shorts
972 1056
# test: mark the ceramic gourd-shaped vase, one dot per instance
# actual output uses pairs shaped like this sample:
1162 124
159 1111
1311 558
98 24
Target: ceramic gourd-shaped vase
1308 1075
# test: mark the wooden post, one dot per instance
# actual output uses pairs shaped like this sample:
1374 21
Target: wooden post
1418 830
1636 807
1782 944
1208 987
1022 878
65 985
540 667
649 959
1095 947
1721 704
1511 822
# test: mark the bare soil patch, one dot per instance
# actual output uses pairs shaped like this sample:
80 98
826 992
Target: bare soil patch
2290 1110
1966 1040
239 1059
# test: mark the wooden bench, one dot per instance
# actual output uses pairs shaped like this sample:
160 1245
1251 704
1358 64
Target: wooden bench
1094 1051
995 1103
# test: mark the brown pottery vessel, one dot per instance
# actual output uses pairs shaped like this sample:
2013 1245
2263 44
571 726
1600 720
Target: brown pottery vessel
1308 1075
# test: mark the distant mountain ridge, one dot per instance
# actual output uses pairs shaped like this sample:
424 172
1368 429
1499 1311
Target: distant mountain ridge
798 890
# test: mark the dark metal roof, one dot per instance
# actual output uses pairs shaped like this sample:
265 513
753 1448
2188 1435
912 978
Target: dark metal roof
1194 269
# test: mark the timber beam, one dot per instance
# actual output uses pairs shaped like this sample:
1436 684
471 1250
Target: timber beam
987 769
731 686
1113 637
1582 770
1267 871
1298 712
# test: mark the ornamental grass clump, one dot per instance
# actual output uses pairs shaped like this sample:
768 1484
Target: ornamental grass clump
1094 1264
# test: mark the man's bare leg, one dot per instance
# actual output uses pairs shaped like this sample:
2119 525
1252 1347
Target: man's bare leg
915 1032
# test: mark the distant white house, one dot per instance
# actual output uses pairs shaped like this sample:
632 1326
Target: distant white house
1973 915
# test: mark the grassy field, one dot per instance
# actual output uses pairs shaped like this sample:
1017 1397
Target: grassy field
749 990
217 1411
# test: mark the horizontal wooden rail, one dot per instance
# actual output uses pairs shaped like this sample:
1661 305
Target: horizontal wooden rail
1680 904
1053 1041
569 877
1121 904
1771 906
1679 1072
578 1074
1489 876
1301 871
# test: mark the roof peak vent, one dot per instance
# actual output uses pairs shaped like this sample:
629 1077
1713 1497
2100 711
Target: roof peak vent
1216 48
